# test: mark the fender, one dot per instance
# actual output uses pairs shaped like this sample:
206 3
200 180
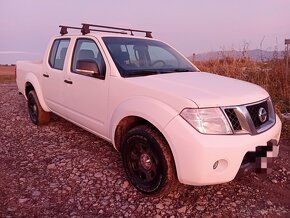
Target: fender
31 78
156 112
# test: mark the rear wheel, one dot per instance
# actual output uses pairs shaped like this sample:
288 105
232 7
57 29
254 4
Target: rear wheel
37 115
148 161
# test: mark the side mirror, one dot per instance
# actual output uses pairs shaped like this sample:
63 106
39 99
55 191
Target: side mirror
88 68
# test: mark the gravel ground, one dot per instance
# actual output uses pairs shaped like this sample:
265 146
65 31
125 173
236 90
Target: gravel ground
60 170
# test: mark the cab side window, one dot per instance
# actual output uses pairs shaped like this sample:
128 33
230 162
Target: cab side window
86 56
58 53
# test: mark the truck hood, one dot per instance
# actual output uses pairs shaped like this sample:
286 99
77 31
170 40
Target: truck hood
204 89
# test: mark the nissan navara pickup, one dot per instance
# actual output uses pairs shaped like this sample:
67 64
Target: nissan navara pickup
170 121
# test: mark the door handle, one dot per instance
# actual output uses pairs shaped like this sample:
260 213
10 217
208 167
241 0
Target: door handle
68 82
45 75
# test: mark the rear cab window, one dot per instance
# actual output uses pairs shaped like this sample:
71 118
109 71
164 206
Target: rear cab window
58 53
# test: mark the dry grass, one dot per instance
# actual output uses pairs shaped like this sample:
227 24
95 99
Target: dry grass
270 75
7 74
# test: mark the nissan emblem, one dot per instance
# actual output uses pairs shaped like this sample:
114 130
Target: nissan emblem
262 115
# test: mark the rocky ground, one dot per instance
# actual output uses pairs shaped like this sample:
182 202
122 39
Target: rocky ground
60 170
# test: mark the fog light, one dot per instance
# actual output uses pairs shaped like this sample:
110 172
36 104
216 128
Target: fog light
220 165
215 165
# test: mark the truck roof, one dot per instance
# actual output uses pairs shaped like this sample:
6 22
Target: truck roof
100 34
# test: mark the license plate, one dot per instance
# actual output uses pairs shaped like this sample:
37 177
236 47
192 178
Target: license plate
265 155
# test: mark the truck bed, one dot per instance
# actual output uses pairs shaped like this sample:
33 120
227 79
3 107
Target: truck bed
23 68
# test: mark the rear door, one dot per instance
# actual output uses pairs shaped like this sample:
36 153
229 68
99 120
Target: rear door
85 96
53 75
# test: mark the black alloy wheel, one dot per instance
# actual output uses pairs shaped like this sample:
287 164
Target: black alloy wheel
148 161
32 109
37 115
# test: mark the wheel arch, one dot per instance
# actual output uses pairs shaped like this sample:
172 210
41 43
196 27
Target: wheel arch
139 111
33 84
125 125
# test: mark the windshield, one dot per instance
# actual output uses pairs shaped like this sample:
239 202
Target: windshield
142 57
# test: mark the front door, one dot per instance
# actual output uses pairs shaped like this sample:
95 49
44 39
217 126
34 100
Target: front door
85 96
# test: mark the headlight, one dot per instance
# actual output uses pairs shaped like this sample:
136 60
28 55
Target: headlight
207 120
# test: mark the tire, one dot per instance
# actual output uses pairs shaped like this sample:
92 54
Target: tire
37 115
148 161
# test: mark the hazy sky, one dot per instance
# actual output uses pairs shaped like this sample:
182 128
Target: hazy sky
188 25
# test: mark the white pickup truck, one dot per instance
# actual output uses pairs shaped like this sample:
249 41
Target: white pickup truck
168 120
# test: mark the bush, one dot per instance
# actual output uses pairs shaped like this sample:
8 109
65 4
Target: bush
270 75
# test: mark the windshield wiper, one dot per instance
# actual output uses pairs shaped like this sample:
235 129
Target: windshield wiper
181 70
142 73
154 72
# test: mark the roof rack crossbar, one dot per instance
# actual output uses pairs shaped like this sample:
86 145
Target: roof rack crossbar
86 29
63 29
108 31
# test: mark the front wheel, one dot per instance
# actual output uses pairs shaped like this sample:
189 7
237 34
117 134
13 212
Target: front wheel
37 115
148 161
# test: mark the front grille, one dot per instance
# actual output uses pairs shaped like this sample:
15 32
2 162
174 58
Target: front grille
233 119
254 112
244 119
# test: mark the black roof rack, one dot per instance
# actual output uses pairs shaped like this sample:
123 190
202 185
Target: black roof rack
86 28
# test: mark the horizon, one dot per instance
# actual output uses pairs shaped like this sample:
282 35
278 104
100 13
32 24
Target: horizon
190 27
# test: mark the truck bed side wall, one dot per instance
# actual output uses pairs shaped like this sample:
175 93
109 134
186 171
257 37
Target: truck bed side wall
30 72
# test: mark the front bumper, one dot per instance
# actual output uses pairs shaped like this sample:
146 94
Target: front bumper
196 154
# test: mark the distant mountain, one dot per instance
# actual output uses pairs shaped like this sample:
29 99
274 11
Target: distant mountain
255 55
